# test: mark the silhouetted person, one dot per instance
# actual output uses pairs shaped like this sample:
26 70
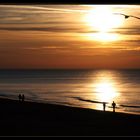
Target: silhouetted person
23 97
19 97
114 106
104 105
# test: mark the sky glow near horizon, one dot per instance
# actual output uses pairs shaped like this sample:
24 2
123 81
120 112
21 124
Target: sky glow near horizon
69 36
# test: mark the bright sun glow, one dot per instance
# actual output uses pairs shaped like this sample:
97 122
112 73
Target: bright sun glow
103 19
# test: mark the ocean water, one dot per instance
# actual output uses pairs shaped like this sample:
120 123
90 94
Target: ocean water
81 88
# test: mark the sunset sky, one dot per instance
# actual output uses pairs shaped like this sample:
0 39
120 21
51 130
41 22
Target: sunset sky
69 36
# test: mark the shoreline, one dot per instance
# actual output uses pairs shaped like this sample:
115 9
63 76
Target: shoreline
45 119
69 105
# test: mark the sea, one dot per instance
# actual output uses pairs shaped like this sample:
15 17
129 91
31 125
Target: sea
78 88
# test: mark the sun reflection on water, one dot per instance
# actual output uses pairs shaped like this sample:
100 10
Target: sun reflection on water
105 89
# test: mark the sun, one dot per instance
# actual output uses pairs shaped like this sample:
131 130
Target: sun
103 19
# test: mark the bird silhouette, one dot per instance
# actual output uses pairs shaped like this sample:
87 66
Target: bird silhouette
127 16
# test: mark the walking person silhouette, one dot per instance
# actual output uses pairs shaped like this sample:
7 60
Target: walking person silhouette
19 97
114 106
104 105
23 97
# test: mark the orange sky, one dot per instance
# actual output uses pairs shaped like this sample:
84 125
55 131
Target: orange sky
69 36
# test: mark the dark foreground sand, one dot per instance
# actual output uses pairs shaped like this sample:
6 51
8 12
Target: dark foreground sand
38 119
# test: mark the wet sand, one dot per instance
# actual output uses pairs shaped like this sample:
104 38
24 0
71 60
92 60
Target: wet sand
39 119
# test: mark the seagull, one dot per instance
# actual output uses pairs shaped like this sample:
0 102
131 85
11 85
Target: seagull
127 16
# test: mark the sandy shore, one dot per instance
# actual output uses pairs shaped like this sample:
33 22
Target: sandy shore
38 119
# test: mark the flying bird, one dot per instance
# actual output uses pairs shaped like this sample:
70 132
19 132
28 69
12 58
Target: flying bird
127 16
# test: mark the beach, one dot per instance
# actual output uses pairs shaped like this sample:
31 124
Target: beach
43 119
74 64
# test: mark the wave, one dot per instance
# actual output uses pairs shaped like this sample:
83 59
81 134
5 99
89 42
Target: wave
131 106
99 102
91 101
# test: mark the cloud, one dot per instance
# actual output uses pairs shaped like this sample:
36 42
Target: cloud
44 8
33 12
135 30
55 18
49 29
